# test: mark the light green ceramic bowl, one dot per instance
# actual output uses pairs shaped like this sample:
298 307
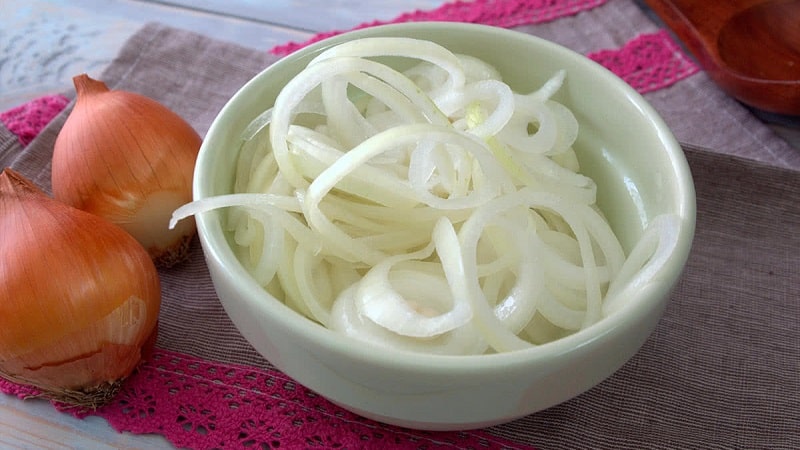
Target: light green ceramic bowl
623 144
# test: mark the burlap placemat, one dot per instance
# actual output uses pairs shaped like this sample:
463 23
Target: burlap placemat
720 371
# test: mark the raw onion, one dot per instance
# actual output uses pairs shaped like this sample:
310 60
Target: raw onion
432 209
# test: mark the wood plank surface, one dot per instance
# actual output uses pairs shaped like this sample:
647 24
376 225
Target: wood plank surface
308 15
43 43
34 424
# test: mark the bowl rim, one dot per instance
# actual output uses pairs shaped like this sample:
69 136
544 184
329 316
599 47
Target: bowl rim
216 246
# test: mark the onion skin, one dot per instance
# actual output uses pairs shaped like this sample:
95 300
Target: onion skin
79 297
129 159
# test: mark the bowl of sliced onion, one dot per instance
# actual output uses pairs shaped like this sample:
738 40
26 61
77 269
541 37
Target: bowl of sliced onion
440 225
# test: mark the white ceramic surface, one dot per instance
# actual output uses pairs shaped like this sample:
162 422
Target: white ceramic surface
623 144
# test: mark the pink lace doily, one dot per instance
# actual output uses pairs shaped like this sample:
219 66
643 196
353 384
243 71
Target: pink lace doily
202 404
26 120
649 62
501 13
205 404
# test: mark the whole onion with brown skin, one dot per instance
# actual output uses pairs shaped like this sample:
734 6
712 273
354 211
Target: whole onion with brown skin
129 159
79 297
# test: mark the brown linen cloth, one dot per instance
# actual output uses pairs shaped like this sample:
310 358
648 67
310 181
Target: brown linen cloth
722 370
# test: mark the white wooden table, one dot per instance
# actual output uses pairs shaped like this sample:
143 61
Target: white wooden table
43 43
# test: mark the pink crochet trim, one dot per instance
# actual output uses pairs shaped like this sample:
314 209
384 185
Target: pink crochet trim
501 13
200 404
649 62
25 121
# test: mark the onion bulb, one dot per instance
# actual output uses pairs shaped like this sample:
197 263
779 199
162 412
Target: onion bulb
79 297
129 159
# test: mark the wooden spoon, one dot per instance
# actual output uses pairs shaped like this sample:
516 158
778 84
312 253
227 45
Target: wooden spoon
750 48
